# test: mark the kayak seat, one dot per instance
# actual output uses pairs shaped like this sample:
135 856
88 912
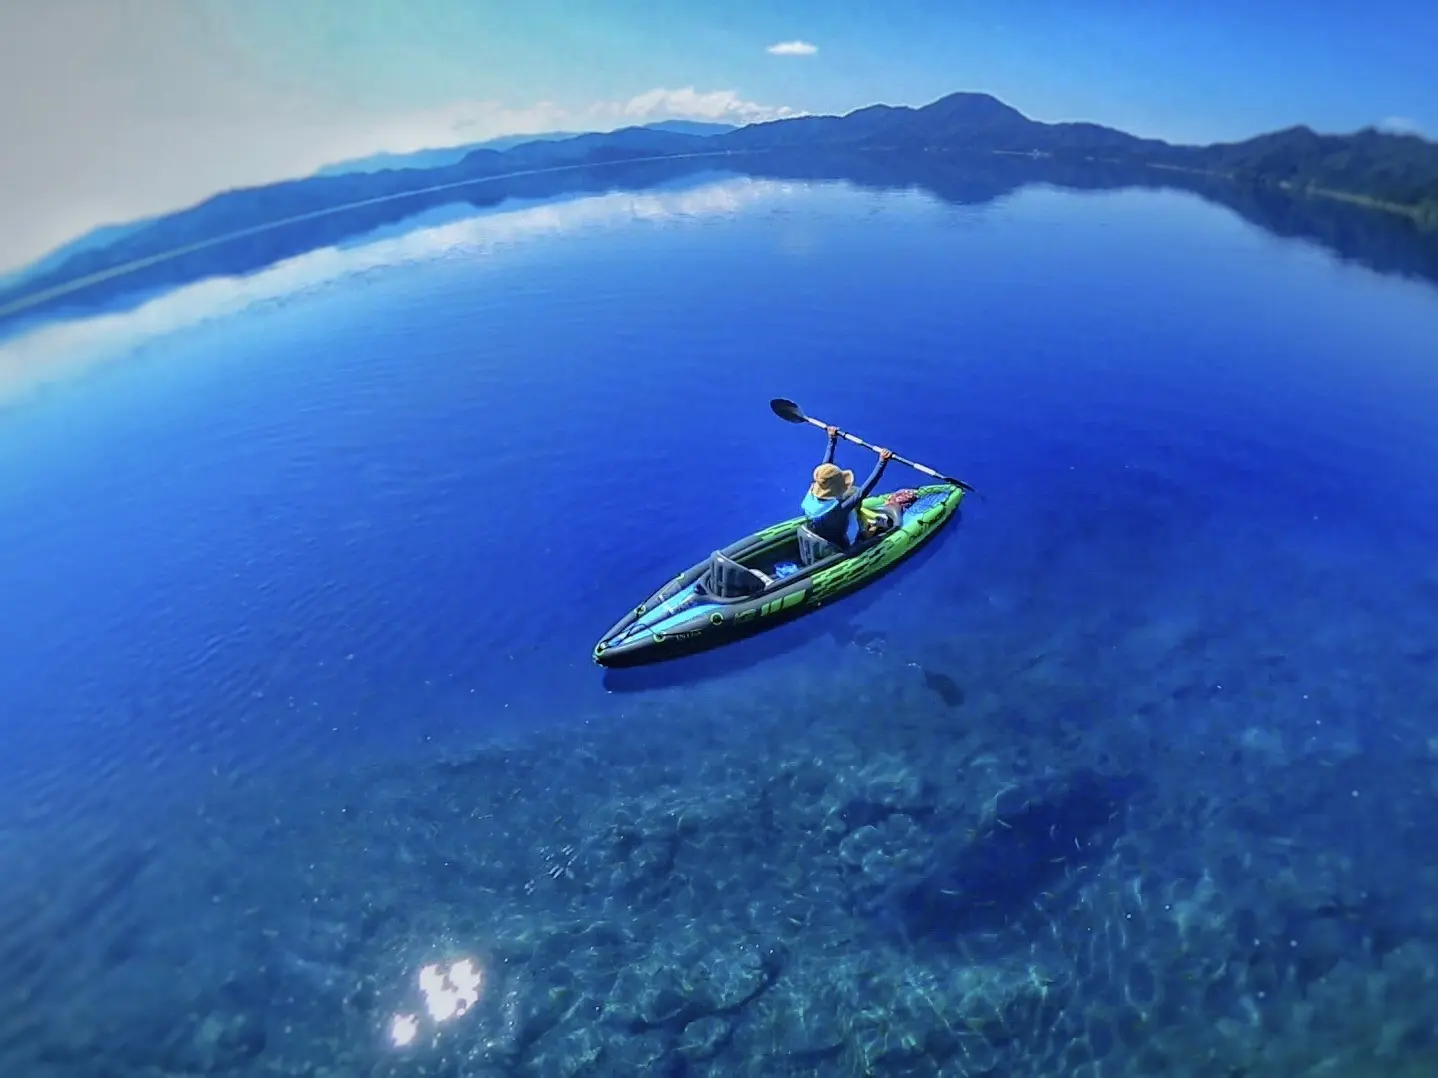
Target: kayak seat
727 579
814 548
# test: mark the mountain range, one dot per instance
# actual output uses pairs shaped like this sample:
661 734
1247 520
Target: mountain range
1393 173
448 155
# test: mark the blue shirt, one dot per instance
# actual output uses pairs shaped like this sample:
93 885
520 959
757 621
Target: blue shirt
828 519
833 518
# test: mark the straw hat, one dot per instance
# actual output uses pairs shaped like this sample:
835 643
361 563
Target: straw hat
831 481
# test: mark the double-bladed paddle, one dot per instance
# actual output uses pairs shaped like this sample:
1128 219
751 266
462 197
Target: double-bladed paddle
788 410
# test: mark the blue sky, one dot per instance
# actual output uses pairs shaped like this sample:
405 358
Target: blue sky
1201 71
136 107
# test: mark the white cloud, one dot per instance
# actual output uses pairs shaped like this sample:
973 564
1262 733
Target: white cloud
475 121
1399 125
53 351
56 197
793 48
720 105
141 108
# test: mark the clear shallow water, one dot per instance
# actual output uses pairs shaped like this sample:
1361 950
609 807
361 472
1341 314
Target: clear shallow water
375 504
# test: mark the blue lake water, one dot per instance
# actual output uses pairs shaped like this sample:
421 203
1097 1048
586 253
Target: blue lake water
267 542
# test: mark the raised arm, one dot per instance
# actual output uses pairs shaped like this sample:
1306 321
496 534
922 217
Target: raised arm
833 442
861 492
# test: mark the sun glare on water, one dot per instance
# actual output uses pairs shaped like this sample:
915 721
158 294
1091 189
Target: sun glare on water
447 994
404 1029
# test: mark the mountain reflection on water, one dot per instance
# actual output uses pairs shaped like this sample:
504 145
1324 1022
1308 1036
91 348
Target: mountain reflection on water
1386 242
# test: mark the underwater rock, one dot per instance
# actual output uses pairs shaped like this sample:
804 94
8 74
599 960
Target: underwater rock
803 1020
1318 944
705 1038
221 1041
636 853
671 990
578 1050
1035 845
68 906
885 858
915 1019
1262 746
521 1010
663 999
871 640
912 1026
1003 1001
645 1053
308 977
878 789
726 979
640 860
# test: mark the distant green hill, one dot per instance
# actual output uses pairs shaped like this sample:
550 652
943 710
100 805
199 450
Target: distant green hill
1392 172
1397 172
448 155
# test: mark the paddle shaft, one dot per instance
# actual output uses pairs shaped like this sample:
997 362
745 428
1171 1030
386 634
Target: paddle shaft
902 460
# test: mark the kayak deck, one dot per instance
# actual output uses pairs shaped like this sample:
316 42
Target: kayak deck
689 613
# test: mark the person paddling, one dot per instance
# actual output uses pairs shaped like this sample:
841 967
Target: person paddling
831 501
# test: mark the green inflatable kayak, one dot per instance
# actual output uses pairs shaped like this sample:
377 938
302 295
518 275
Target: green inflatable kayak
772 576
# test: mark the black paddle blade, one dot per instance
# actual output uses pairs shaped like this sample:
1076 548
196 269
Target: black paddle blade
787 409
